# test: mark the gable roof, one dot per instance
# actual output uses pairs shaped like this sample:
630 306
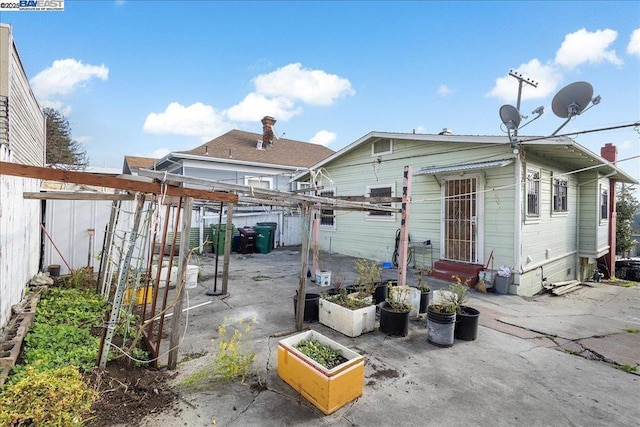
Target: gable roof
558 148
241 146
133 163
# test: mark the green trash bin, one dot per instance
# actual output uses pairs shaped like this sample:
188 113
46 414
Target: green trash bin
218 236
263 240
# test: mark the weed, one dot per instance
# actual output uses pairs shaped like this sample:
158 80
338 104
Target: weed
231 359
629 368
260 278
632 330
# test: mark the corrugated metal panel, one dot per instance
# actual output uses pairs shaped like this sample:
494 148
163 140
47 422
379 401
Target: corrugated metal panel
464 167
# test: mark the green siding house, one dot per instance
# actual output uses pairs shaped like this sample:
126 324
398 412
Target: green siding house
543 208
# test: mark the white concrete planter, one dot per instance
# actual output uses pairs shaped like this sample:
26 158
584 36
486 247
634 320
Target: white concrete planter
351 323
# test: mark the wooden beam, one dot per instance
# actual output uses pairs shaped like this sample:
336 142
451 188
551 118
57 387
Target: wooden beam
326 202
102 180
370 199
404 226
183 265
76 196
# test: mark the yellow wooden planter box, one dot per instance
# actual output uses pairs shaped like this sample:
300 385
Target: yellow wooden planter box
327 389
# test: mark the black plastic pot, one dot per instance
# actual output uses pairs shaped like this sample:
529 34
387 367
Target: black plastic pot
440 327
393 322
311 307
54 270
466 328
424 301
381 293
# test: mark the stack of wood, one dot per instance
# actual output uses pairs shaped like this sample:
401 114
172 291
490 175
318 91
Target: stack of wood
560 288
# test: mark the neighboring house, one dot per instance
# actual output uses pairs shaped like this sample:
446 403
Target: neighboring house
545 211
240 157
132 164
22 140
248 159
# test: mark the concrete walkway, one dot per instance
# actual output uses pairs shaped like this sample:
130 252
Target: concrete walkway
546 361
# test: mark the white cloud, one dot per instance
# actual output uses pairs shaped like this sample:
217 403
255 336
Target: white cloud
323 137
159 153
255 106
585 47
443 90
63 109
634 43
64 76
196 119
84 139
276 94
314 87
546 76
626 144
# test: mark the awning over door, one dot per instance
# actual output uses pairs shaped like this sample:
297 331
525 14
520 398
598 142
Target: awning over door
463 167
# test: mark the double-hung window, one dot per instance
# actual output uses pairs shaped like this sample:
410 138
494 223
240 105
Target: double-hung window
381 191
533 193
560 196
327 216
604 203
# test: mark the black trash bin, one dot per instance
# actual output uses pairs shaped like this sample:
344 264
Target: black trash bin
247 240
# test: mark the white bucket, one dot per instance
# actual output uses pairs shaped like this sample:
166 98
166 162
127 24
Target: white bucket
163 275
323 278
191 279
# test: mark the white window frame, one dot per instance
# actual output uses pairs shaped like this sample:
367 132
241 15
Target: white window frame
260 179
555 184
373 148
381 216
603 203
327 192
536 183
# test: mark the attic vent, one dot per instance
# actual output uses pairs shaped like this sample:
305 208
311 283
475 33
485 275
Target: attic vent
381 146
259 145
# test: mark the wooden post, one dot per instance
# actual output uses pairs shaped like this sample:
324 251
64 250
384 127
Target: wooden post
306 230
404 227
174 340
228 235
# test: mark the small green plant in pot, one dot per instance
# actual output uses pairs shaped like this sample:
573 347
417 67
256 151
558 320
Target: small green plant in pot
466 326
368 277
394 312
425 291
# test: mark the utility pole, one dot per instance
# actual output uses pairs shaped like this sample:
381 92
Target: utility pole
521 80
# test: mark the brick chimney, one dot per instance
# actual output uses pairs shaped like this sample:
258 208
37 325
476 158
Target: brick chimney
610 152
267 130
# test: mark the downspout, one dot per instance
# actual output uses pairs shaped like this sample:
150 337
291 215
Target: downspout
517 217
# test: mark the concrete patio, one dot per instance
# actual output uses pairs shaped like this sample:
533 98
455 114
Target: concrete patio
540 361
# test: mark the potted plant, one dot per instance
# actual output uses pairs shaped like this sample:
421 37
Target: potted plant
328 388
351 314
425 291
441 319
466 325
368 278
394 312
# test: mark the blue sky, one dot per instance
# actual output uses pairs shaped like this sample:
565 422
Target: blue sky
148 77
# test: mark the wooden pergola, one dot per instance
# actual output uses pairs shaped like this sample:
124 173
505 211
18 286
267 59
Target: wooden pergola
162 183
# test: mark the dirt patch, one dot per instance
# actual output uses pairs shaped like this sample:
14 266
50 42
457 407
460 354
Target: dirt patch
128 393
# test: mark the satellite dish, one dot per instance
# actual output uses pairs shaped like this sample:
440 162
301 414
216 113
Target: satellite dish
510 116
572 99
